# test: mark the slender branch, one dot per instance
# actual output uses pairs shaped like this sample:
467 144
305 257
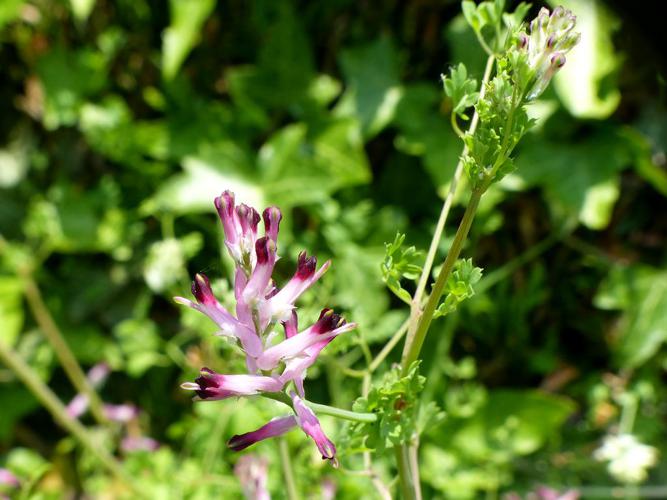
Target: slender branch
415 310
59 413
389 346
352 416
332 411
53 334
288 472
455 126
413 460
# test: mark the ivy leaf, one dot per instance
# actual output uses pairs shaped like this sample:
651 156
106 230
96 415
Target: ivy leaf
641 293
461 89
399 263
459 286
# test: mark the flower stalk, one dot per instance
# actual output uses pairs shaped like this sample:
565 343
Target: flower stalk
59 413
67 359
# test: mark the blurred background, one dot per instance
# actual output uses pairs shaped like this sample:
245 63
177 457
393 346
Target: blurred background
122 120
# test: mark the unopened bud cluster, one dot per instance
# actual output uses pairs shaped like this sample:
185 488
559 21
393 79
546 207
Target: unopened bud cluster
549 38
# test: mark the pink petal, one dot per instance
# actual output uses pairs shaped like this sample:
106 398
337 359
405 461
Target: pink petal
275 427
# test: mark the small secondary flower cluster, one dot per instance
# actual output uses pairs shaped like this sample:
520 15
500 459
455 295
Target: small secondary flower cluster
123 413
272 366
550 37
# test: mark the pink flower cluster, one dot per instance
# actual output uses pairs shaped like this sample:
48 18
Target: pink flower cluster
273 365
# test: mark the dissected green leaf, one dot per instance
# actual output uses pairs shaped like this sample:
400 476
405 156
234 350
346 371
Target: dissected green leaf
459 286
395 402
400 263
461 89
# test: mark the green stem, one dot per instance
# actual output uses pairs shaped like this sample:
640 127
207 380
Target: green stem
389 346
352 416
416 306
288 472
332 411
628 415
53 334
405 480
59 413
413 460
414 348
455 125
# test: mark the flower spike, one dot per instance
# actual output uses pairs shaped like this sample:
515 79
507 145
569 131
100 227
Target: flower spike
262 307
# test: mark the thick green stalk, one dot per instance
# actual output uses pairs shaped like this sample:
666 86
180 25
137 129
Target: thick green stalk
67 359
405 479
413 350
59 413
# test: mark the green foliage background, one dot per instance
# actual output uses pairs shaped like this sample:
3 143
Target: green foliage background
123 119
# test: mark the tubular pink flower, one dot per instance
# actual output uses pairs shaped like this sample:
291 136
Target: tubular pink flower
214 386
281 304
272 217
230 223
120 413
258 284
291 325
229 325
140 443
97 375
252 473
295 368
8 479
311 426
328 326
275 427
248 219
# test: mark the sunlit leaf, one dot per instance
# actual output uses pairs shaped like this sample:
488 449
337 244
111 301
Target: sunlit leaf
585 84
187 19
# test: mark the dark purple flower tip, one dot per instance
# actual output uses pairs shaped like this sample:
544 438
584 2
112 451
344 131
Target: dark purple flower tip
248 217
327 322
201 289
264 247
225 204
551 41
557 60
240 442
208 385
523 41
305 266
272 217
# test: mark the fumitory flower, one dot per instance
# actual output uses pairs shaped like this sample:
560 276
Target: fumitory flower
252 472
262 314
